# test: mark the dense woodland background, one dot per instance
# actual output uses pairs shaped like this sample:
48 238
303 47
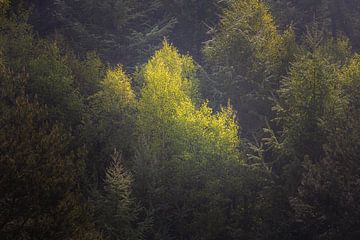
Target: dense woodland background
180 119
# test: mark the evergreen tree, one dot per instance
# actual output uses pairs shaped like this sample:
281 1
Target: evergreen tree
196 183
186 143
118 30
308 97
117 213
40 172
87 73
110 121
337 17
246 58
193 21
179 169
326 204
49 77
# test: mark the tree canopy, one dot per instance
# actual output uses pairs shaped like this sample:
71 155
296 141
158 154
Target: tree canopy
174 119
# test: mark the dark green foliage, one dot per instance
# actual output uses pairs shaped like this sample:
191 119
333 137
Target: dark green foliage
308 97
48 76
40 172
326 204
337 17
245 59
125 31
87 74
116 212
329 188
194 19
51 81
78 84
110 120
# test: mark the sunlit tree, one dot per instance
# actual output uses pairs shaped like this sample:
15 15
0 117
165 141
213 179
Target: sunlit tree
111 111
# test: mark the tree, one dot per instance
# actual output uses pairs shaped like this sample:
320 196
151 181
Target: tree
184 138
52 82
193 19
326 204
308 97
49 77
117 214
87 73
336 17
169 105
41 171
125 31
110 120
246 58
196 183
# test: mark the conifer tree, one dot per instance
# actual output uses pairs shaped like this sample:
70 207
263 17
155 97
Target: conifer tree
196 182
308 97
116 211
326 203
111 116
41 171
120 31
246 57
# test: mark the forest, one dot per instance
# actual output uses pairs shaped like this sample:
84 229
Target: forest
179 120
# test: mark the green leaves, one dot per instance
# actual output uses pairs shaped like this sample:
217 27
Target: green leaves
167 108
191 151
116 93
350 79
64 112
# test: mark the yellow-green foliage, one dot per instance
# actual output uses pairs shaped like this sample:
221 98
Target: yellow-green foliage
4 4
351 72
111 111
350 76
311 85
116 93
246 28
172 122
